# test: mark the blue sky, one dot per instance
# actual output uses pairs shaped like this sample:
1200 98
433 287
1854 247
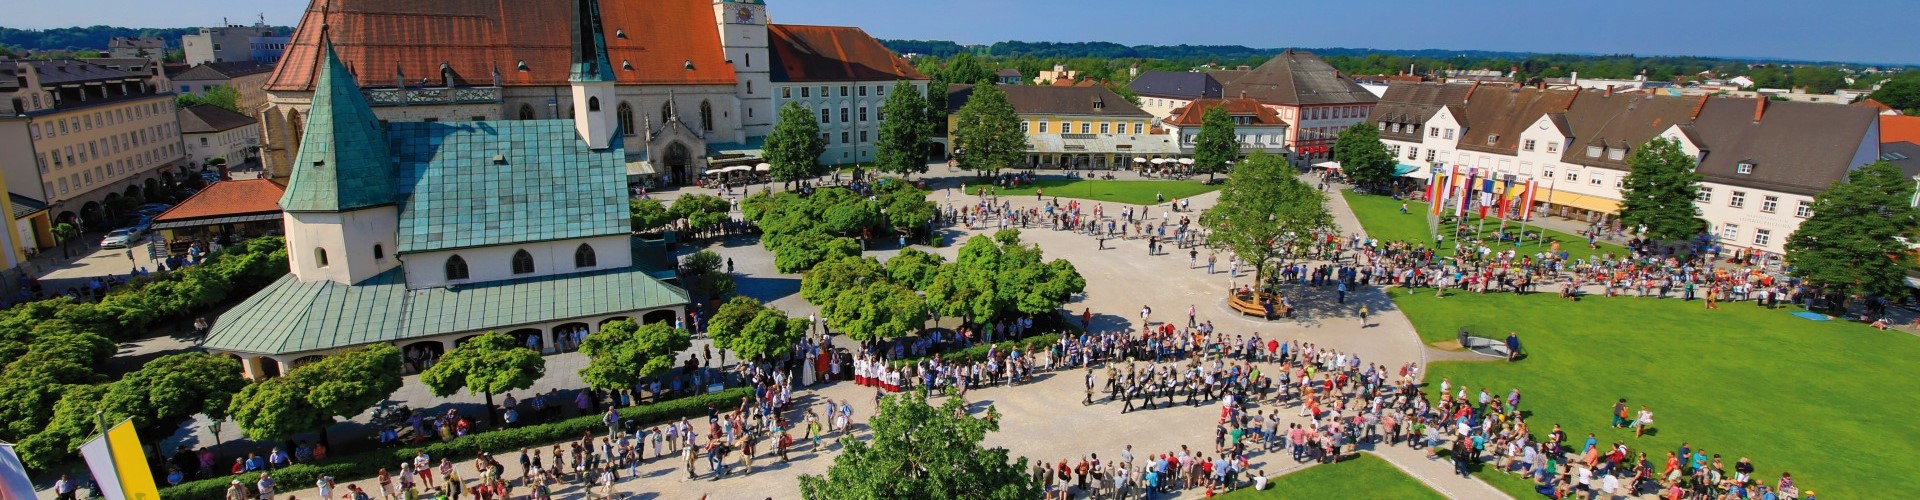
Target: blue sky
1875 31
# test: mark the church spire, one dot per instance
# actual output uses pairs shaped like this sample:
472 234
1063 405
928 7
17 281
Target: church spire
589 44
344 162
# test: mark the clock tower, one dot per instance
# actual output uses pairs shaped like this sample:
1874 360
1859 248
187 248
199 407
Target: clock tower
743 38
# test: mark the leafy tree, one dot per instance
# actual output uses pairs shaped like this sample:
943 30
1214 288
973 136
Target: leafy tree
65 233
922 452
906 208
704 278
1658 192
1901 92
702 212
805 252
794 147
999 276
987 135
731 318
1849 245
221 96
1121 89
170 390
1216 144
936 112
312 396
879 311
26 404
648 214
1263 209
1363 157
769 335
905 134
911 267
622 352
828 279
966 288
72 424
965 68
489 364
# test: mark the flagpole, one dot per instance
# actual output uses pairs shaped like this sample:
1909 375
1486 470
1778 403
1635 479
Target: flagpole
100 422
1526 208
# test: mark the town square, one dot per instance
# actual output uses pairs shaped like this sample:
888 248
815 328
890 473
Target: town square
584 249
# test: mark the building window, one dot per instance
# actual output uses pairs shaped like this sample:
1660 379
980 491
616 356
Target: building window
1553 147
825 118
1106 127
1745 167
1730 232
1527 146
843 91
1383 127
787 92
880 90
593 104
1597 179
1086 127
1803 211
706 116
1617 154
379 252
863 112
1413 152
1137 127
583 257
1043 126
526 112
1737 200
1762 236
1704 195
457 268
863 138
1593 151
1769 204
863 91
624 114
844 114
806 91
522 262
1430 153
320 257
1433 132
1573 175
1025 125
846 138
1448 135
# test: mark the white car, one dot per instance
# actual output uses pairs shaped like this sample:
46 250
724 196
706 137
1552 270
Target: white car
122 238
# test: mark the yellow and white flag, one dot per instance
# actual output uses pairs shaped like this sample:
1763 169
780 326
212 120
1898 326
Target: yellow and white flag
119 465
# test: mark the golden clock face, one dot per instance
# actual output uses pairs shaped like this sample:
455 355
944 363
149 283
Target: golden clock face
744 15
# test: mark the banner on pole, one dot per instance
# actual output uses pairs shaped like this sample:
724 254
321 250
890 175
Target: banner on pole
119 465
14 483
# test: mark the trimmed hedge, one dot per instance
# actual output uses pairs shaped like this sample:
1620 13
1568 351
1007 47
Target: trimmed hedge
979 351
365 465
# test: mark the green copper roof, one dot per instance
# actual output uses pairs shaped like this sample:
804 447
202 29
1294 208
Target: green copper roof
291 316
343 162
469 184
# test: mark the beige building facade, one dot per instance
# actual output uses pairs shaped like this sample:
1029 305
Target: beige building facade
97 133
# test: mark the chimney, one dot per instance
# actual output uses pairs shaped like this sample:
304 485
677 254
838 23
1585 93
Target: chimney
1759 108
1243 94
1574 78
1609 91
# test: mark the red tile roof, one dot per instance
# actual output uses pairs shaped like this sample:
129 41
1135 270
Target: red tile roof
1899 128
1193 114
1877 105
833 54
228 199
383 41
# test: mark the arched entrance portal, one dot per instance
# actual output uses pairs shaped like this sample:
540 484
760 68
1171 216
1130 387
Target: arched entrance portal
522 338
678 161
91 218
660 316
269 368
133 191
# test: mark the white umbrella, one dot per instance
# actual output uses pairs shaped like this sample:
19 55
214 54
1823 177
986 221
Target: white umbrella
762 167
1139 160
1186 161
1157 161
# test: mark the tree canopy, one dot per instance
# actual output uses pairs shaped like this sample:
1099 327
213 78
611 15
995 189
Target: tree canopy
1849 245
922 452
905 132
222 96
310 397
794 147
1264 210
880 311
1363 157
623 352
1658 192
170 390
999 276
913 267
704 277
987 135
701 211
492 363
1216 144
826 280
648 214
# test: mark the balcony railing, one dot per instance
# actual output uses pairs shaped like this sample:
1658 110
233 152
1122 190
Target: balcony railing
430 96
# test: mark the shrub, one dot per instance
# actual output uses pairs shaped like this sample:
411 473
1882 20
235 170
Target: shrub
979 351
364 465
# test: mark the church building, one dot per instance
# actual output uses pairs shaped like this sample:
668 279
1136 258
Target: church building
422 232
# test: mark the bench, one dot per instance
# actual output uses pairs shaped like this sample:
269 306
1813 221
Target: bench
1251 304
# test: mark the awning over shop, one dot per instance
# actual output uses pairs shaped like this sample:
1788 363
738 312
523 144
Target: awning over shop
1580 201
1329 165
217 221
1412 172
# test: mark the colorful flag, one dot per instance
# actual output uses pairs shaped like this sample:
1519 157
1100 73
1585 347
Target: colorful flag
1533 192
1466 193
119 464
14 483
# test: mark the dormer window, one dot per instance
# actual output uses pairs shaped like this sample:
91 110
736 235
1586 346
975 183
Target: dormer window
1617 154
521 66
1593 151
1745 167
620 34
1099 104
1492 138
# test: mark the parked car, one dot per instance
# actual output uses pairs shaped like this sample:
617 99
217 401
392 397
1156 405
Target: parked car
123 237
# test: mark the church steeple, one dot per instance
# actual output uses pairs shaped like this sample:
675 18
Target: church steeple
592 78
344 163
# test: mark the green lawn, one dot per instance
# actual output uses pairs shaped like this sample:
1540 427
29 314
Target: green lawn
1382 218
1830 402
1365 477
1118 191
